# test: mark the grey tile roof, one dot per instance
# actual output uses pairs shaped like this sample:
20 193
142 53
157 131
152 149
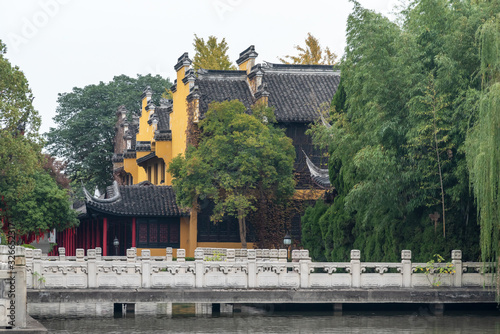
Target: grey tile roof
297 91
146 158
222 86
163 118
140 201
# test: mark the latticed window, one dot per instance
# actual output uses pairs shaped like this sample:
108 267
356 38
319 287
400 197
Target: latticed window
158 233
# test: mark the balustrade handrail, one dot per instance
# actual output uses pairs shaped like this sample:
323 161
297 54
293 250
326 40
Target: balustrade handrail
256 269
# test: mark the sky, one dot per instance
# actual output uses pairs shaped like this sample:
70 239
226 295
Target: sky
61 44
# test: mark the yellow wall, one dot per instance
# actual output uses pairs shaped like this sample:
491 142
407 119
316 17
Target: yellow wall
308 194
164 151
130 166
235 245
160 252
179 115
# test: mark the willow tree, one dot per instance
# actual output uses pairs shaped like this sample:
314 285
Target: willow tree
483 143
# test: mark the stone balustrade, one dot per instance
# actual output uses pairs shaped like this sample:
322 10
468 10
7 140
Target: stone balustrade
251 269
13 311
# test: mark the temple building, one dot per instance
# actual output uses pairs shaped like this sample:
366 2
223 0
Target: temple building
140 209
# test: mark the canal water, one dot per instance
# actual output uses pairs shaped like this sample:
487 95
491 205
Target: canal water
417 320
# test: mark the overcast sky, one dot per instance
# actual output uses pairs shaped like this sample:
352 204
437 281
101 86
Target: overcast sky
61 44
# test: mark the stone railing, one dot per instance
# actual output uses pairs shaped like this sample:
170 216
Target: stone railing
13 312
254 269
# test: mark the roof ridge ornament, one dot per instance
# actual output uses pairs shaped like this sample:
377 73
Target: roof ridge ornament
314 170
323 120
116 195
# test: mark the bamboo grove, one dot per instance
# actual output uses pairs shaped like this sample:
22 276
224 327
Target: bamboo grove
414 146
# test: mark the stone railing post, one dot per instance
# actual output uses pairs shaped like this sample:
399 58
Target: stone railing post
252 268
62 254
199 267
131 260
20 284
265 254
169 256
146 268
37 266
273 255
181 255
295 255
355 268
98 253
406 268
456 260
230 255
282 255
29 265
131 255
80 255
304 261
92 269
4 257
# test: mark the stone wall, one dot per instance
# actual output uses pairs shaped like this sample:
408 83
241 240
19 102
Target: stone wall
242 269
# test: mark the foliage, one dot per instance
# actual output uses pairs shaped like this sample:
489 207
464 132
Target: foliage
85 122
216 256
239 156
435 269
211 55
31 201
44 208
397 141
311 54
483 142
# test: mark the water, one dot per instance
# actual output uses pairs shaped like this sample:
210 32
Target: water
371 321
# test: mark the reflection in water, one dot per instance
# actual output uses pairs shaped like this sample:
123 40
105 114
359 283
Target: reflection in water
275 322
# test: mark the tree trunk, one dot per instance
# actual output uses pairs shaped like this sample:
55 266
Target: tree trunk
243 230
440 174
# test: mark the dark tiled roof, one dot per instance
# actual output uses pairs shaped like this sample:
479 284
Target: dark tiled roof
163 119
140 201
297 91
146 158
223 86
143 146
323 182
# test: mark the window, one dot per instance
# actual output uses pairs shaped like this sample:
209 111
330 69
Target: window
158 233
156 174
162 178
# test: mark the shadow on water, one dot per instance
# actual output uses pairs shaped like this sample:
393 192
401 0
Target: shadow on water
282 318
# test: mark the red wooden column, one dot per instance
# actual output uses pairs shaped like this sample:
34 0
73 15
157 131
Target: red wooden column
133 232
87 236
105 236
92 246
98 234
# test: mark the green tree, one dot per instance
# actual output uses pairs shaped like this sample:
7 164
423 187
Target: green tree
483 143
211 55
85 122
311 54
30 199
238 157
397 142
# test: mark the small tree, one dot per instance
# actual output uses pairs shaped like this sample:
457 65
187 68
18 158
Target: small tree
312 54
239 157
211 55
